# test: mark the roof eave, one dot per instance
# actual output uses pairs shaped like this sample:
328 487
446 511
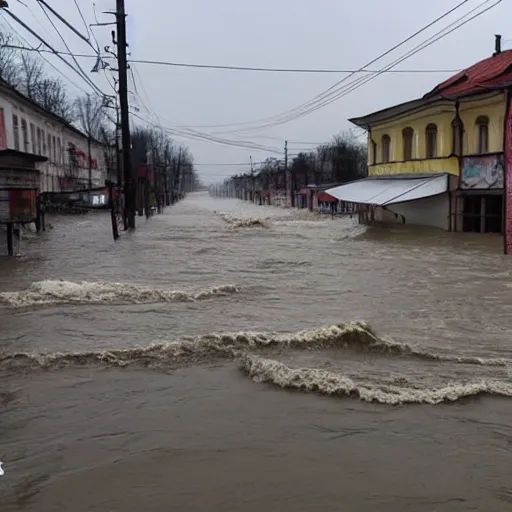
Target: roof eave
10 89
390 112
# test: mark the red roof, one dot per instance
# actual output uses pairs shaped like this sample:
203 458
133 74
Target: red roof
492 73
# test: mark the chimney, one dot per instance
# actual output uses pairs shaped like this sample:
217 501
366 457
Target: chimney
497 44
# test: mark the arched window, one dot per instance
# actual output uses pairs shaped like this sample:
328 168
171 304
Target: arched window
431 140
457 132
482 133
407 136
374 152
386 148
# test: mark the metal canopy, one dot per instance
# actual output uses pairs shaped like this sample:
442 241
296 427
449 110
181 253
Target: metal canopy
387 190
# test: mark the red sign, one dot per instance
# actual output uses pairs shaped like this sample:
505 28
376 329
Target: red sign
508 177
17 205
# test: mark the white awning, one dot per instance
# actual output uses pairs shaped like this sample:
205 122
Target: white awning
382 191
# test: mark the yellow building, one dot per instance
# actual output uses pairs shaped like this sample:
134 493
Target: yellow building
438 160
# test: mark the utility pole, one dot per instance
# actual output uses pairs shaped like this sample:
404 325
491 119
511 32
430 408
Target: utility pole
252 181
166 176
89 158
286 172
119 168
129 184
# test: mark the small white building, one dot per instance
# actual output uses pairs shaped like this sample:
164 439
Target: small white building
26 126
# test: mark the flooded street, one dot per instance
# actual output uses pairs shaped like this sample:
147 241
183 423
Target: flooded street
227 356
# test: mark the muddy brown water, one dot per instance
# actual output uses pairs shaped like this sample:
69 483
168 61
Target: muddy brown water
116 395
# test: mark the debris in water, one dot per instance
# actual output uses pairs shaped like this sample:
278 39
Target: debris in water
2 472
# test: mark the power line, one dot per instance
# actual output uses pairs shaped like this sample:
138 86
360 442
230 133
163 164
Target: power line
356 84
37 36
256 69
83 20
191 134
278 118
21 38
87 79
283 70
69 25
325 99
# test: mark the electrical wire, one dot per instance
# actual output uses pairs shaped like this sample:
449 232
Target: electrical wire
208 138
433 39
332 90
37 36
24 40
83 20
85 76
42 3
334 96
188 133
282 70
269 70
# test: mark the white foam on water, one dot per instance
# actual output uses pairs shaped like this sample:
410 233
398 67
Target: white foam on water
54 292
334 384
242 222
247 347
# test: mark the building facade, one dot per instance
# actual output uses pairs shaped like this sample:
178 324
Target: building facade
456 131
73 161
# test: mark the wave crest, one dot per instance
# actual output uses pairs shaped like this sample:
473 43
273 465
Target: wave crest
329 383
55 292
242 222
248 348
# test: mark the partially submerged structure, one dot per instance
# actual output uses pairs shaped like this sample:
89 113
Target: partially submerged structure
439 160
19 188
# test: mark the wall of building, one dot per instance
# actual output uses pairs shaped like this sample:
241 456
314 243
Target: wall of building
431 211
442 115
494 108
54 145
438 165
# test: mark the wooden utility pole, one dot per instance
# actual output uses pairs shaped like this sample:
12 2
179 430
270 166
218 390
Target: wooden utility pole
166 176
253 187
286 174
119 167
129 183
89 158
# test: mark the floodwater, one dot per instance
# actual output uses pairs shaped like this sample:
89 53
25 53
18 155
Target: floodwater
230 357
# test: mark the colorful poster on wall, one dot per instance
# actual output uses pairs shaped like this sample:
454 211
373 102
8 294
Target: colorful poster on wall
482 172
508 177
3 134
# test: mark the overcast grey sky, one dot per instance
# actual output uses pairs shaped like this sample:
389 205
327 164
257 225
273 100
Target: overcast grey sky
339 34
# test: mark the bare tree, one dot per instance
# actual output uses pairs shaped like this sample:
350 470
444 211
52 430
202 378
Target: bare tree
51 94
9 63
31 74
90 115
107 138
